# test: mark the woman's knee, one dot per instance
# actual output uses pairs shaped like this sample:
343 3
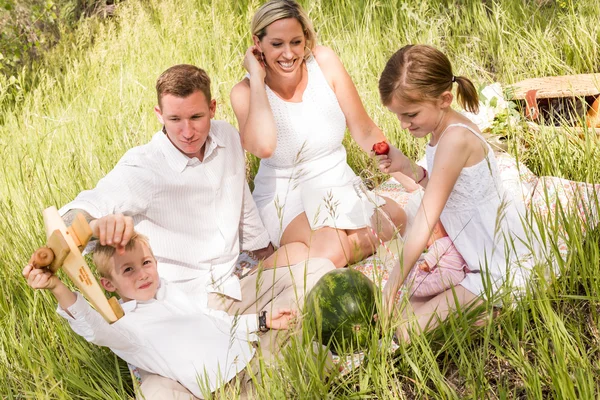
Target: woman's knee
312 270
397 215
338 251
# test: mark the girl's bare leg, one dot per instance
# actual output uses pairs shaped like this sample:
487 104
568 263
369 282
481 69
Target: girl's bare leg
428 314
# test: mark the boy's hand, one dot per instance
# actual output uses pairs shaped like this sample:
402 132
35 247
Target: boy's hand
40 278
113 230
281 318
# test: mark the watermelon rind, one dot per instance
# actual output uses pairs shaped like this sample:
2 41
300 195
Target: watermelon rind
339 310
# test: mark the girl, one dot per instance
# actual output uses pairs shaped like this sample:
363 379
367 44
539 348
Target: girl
462 188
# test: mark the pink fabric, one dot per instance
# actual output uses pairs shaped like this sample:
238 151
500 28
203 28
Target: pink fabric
446 266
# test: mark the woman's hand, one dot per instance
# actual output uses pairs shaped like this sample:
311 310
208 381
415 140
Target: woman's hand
254 62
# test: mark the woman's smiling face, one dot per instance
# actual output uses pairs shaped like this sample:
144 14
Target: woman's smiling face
283 46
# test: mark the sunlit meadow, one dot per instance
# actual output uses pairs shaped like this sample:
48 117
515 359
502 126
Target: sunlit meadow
92 99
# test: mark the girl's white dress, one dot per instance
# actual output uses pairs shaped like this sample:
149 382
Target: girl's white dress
487 225
308 171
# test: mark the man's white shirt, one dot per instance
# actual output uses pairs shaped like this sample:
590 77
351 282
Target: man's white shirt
196 214
171 336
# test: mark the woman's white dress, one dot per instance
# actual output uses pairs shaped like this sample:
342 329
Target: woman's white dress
308 169
487 225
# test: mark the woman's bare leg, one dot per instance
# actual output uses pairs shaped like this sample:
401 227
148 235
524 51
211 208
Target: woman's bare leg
342 247
299 242
365 243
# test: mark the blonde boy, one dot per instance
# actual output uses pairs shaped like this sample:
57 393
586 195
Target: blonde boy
163 331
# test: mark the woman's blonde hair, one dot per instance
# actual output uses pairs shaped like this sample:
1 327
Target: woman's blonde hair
420 72
275 10
103 254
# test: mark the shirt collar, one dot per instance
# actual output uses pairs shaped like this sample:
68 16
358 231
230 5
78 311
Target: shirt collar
179 161
160 295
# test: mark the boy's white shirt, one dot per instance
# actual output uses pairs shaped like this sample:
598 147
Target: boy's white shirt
172 336
197 214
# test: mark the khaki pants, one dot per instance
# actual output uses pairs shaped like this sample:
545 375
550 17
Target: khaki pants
271 289
156 387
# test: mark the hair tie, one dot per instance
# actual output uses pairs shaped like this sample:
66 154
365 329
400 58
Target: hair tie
453 79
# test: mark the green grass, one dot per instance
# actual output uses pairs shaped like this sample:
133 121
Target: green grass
93 99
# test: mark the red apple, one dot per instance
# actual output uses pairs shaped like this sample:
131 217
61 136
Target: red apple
381 148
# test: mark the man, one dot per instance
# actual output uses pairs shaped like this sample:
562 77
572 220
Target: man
186 190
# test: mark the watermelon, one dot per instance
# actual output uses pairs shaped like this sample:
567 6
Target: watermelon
339 310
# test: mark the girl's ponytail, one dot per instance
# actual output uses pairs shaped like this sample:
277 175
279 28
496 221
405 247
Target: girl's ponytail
466 94
420 72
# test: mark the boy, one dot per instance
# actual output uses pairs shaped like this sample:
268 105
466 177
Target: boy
163 331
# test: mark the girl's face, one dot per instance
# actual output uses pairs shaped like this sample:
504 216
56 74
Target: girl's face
420 118
283 46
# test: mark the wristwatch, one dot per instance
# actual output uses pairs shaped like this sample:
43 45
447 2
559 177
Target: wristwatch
262 321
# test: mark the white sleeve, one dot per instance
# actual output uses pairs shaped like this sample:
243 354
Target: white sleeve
88 323
253 235
127 189
247 322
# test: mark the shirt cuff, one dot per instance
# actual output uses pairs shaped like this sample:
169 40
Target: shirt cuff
76 311
259 242
81 205
250 321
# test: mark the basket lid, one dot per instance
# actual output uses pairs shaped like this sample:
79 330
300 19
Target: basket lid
557 86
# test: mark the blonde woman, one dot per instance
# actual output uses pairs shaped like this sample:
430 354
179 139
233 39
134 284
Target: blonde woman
293 107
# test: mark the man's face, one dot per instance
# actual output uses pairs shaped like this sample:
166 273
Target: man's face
134 276
187 121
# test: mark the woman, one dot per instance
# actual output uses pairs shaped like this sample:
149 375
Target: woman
292 108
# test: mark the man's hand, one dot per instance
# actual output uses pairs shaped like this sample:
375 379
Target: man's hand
263 253
38 278
281 318
113 230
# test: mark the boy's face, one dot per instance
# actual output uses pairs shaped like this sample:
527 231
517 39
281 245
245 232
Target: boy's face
134 276
187 121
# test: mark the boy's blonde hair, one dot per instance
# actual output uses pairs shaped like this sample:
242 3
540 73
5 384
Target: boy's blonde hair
103 254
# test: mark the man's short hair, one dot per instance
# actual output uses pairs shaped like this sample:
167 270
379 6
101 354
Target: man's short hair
181 81
103 254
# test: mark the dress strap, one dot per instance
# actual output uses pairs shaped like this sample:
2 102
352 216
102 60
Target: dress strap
466 127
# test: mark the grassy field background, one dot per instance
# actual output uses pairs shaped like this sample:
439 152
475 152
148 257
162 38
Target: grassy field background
93 100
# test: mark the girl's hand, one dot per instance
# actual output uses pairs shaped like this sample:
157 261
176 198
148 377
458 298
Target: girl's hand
424 267
38 278
254 62
281 319
391 162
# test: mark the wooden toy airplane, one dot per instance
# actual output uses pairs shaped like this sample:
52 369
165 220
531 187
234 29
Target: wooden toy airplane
63 249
